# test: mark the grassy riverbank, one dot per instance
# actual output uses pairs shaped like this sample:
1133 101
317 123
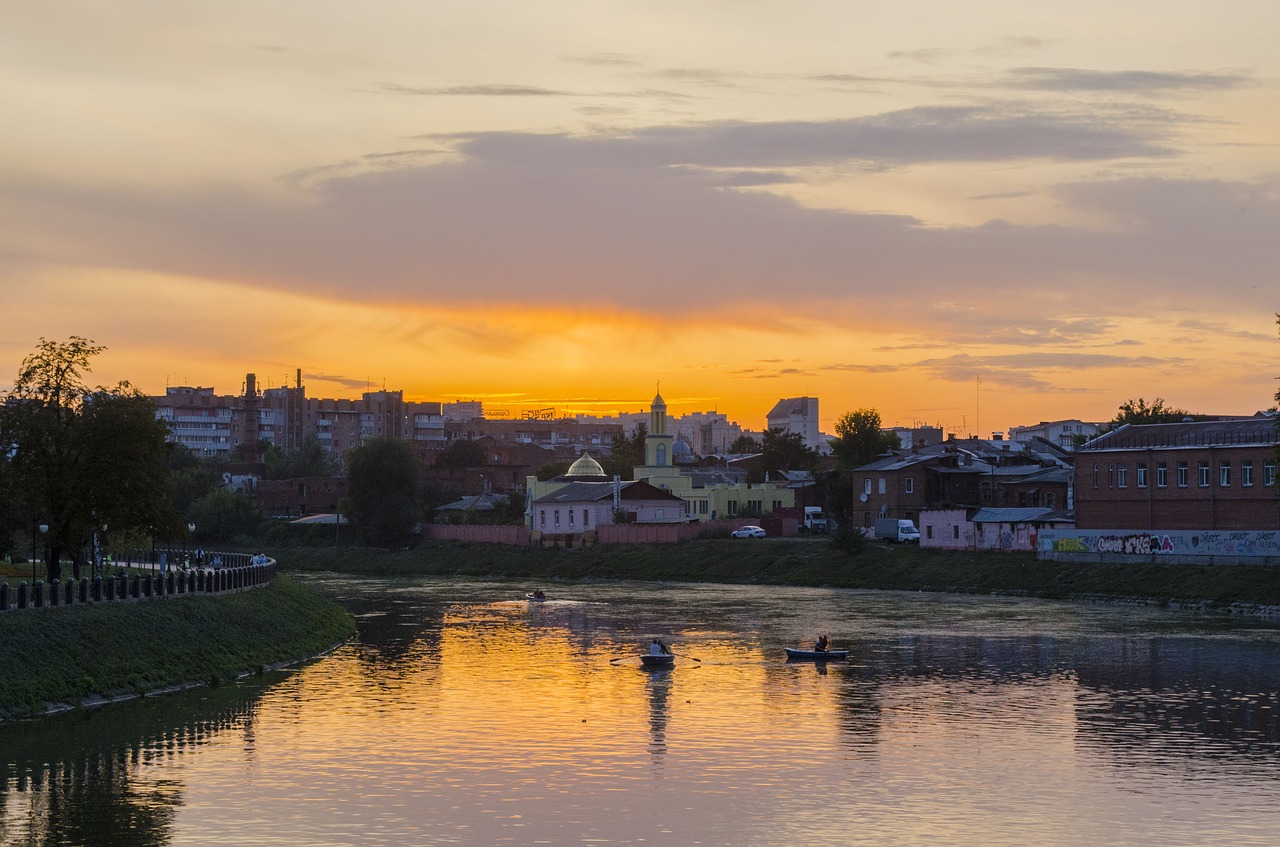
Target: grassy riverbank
74 654
817 562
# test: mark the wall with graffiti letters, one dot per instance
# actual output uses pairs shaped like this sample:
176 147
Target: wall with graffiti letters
1178 545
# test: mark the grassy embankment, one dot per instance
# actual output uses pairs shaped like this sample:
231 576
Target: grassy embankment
817 562
75 654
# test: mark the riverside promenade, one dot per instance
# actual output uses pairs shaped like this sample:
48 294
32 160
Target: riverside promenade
239 571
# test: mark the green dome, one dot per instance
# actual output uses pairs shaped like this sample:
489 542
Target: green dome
586 468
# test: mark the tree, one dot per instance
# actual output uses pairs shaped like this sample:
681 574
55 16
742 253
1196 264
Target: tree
744 444
462 453
860 439
309 460
1138 412
626 452
84 459
384 482
223 516
781 450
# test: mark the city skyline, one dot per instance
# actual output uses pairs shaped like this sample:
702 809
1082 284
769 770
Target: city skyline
972 217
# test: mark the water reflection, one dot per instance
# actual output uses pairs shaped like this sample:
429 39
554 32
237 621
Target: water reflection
108 776
465 714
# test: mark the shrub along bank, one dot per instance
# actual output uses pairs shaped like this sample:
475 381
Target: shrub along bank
76 654
818 562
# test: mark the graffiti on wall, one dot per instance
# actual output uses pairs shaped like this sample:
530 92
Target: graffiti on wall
1166 543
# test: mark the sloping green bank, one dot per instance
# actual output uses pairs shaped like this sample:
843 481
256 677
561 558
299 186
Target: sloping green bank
818 562
75 653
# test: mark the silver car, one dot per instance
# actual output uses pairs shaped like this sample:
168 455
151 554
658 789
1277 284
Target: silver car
748 532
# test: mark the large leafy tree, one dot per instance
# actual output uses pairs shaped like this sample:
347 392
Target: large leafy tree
626 452
1139 412
84 458
860 439
384 484
462 453
781 450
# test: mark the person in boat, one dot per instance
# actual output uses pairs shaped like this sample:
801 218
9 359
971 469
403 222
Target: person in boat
539 594
657 648
820 646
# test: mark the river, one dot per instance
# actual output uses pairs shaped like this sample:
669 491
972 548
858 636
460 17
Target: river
464 714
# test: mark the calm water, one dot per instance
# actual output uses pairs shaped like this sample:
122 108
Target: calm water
462 715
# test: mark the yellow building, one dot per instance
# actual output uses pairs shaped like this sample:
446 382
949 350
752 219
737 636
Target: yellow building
707 494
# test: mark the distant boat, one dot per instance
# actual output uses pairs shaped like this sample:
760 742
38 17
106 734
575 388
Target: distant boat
657 660
794 655
536 597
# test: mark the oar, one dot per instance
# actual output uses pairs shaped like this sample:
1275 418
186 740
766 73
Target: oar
683 656
620 658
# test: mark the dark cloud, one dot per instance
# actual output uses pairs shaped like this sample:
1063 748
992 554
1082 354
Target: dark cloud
655 220
473 91
1028 370
1128 82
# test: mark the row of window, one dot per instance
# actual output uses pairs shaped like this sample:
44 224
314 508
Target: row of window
1118 475
909 485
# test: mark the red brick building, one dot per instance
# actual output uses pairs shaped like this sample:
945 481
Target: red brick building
1218 474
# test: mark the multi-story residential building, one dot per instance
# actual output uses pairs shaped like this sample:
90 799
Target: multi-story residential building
1192 475
1065 434
798 414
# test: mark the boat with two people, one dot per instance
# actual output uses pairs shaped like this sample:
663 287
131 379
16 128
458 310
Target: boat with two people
658 656
536 596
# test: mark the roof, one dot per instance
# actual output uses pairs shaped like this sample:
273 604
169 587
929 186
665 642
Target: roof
1019 515
1260 430
586 468
321 519
586 492
476 502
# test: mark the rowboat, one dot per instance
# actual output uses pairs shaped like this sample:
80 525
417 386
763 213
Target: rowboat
794 655
534 598
657 660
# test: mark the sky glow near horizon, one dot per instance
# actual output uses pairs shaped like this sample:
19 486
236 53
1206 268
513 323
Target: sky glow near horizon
976 216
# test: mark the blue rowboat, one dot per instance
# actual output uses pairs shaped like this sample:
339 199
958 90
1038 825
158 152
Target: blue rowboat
794 655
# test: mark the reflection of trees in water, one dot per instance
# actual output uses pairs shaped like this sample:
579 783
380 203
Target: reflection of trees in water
1172 695
1168 693
80 778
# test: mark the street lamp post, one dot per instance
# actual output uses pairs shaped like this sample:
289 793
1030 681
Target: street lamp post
191 530
44 527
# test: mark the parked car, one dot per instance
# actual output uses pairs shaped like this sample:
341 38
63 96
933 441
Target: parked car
748 532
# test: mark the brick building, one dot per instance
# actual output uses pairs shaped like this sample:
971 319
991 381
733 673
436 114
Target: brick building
1218 474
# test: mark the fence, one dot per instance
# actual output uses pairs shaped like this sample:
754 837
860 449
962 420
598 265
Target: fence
136 586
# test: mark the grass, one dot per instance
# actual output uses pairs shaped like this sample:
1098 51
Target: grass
73 653
816 562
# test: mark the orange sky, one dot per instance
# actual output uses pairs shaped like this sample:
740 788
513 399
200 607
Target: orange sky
975 217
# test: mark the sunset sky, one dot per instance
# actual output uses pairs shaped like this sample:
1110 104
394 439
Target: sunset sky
976 215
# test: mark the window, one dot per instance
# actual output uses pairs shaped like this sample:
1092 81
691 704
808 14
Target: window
571 517
880 487
928 532
1269 473
1095 476
1142 474
586 518
1122 476
1048 500
1183 476
1111 476
557 518
1162 475
542 517
732 507
911 488
955 532
1246 472
1224 474
866 485
1203 471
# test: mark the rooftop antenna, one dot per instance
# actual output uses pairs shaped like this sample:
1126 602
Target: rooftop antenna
977 391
